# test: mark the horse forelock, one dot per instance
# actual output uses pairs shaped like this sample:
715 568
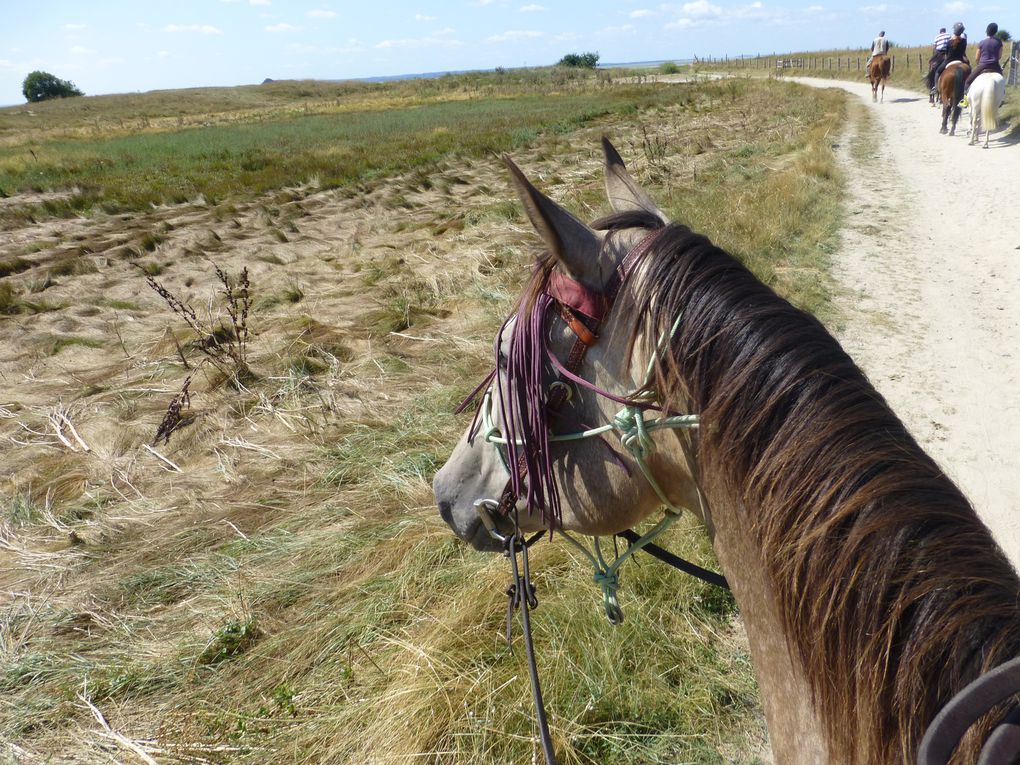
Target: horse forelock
892 592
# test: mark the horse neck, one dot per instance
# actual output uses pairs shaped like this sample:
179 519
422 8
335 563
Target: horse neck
796 732
871 591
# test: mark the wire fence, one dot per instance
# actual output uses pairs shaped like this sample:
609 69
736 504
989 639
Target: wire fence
912 61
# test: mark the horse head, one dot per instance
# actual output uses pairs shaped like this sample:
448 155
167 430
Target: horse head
569 340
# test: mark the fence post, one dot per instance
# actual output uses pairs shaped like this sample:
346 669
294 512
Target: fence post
893 67
1013 61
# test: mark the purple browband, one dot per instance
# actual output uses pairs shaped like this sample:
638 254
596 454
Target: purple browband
573 294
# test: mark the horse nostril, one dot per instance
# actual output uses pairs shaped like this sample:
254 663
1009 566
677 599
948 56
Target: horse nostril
446 512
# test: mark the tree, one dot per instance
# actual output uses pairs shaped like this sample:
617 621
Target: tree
581 60
1003 35
42 86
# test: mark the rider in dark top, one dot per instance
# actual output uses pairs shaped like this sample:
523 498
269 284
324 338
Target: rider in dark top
989 53
957 50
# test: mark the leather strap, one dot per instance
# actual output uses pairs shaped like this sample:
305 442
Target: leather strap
593 305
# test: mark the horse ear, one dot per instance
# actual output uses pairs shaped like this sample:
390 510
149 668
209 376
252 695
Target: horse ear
623 191
569 240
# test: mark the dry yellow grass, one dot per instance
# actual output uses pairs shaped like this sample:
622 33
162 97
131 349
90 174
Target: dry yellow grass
275 585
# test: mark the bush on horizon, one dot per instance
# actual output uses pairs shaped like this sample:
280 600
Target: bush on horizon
580 60
42 86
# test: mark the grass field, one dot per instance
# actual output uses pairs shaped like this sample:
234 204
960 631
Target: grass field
272 583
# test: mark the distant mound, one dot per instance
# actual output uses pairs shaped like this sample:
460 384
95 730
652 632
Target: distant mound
268 80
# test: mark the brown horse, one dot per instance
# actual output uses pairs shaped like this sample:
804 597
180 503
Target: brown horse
870 590
878 73
951 84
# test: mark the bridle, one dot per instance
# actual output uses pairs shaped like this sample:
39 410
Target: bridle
582 310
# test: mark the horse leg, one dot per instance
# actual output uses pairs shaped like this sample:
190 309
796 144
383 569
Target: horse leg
945 118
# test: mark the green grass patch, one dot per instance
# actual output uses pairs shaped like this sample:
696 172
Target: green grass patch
132 171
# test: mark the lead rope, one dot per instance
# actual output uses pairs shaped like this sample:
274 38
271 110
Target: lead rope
521 596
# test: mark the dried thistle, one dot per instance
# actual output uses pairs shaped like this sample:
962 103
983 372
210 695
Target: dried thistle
172 418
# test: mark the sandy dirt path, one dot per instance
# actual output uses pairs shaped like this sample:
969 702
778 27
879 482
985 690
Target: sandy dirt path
932 294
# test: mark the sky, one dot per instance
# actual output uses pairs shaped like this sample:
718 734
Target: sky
118 46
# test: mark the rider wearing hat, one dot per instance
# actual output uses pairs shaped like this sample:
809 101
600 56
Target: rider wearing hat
955 51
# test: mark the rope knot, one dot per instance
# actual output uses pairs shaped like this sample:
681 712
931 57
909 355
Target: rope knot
610 583
634 435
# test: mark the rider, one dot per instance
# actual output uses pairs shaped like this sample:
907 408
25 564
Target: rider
880 45
938 55
955 51
989 53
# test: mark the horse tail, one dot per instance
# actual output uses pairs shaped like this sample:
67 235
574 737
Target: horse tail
958 82
886 68
989 105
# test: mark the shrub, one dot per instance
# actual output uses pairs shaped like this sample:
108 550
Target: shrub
1003 35
42 86
669 67
580 60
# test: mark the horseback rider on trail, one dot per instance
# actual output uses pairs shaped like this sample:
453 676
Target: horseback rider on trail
989 53
879 46
955 51
938 55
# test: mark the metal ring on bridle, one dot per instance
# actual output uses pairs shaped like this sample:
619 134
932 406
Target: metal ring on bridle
568 391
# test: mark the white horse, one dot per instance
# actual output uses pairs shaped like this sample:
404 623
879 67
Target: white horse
986 93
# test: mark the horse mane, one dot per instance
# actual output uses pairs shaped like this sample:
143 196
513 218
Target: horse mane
893 593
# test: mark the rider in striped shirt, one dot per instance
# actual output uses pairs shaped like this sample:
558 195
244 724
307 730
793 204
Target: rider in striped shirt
938 55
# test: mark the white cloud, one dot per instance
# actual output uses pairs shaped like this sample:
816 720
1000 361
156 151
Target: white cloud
531 8
874 10
75 27
80 51
700 9
642 13
353 46
420 42
317 14
814 9
164 54
956 7
259 2
701 13
282 28
480 3
423 17
512 36
205 29
620 30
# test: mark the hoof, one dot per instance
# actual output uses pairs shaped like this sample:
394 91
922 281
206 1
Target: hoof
943 131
